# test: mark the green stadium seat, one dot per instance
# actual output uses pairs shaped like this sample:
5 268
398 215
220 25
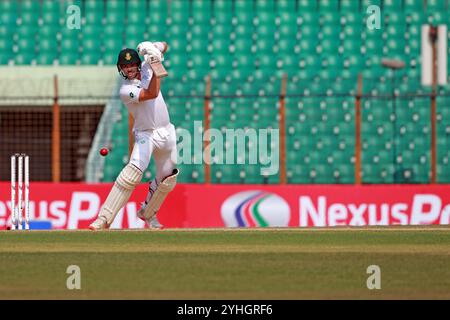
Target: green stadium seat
321 173
413 5
371 174
51 7
262 6
9 6
221 46
243 6
92 31
224 18
110 57
113 46
116 5
437 18
27 44
397 19
46 58
329 46
310 18
180 5
265 45
396 31
30 6
395 47
48 45
201 11
416 18
286 48
230 173
351 19
8 20
115 18
286 6
30 18
223 11
244 31
137 13
111 31
331 6
91 57
244 18
330 19
307 6
179 18
26 32
288 31
252 174
392 6
24 58
242 46
266 28
177 31
93 17
297 174
344 174
69 58
156 32
74 2
367 3
90 44
93 5
6 44
111 172
51 18
199 32
48 32
308 46
132 30
436 6
158 18
5 57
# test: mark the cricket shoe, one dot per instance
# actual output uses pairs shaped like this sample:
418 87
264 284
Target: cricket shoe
152 222
99 224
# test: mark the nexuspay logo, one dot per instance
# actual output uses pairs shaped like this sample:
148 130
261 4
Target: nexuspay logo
255 209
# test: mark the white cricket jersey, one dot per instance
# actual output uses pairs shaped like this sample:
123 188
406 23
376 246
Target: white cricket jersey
149 114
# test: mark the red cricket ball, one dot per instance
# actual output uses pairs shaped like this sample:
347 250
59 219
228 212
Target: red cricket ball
104 151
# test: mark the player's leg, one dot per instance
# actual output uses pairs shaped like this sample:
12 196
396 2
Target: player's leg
125 183
165 156
165 168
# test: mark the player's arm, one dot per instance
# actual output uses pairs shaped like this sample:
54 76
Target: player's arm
152 48
152 90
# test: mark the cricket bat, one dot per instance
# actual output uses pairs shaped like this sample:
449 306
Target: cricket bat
158 69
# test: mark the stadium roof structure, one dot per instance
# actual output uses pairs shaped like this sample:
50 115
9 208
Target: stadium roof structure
34 85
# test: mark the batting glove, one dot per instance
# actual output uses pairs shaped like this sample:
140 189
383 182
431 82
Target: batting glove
148 48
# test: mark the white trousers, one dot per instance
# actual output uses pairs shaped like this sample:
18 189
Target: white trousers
162 144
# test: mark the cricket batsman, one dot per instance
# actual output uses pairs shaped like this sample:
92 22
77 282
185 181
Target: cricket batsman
153 133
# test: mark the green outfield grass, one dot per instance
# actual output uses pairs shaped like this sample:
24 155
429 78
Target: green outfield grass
227 264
